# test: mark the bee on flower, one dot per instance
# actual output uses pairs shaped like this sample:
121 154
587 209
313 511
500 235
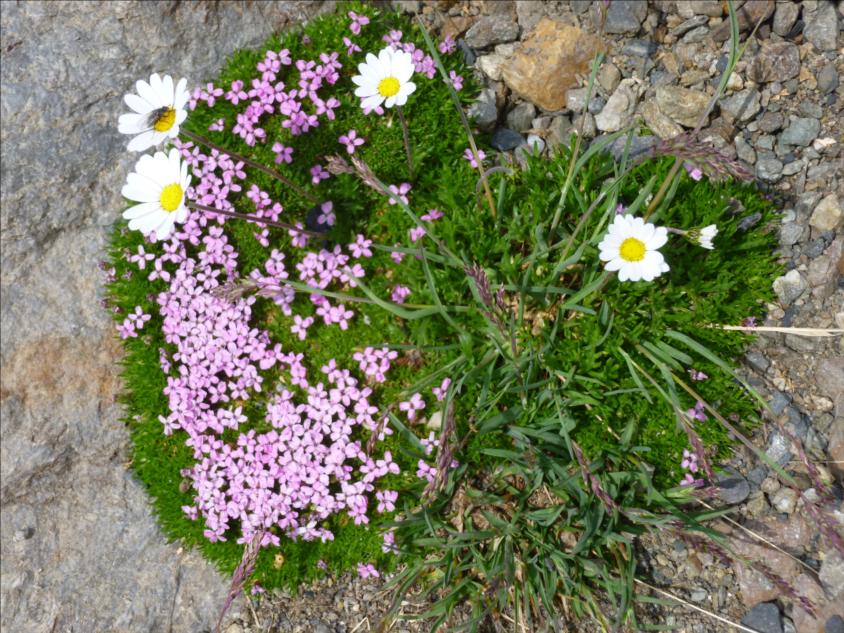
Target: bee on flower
158 110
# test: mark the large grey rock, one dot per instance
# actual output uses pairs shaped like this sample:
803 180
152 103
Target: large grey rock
81 550
785 15
492 29
483 111
822 26
765 618
789 287
619 109
741 106
623 16
801 131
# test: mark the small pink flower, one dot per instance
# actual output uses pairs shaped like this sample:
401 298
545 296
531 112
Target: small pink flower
217 126
448 45
326 215
386 500
399 294
360 247
689 461
697 412
351 140
318 174
357 22
400 191
416 403
694 172
367 571
416 233
283 154
432 215
697 375
470 156
397 256
456 80
351 47
440 391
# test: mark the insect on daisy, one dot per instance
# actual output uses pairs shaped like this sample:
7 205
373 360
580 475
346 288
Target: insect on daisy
158 183
158 110
630 247
385 79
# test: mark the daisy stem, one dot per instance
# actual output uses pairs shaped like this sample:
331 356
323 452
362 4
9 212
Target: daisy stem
406 134
252 218
270 172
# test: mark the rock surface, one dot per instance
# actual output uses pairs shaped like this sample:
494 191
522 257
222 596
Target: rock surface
546 64
681 104
81 550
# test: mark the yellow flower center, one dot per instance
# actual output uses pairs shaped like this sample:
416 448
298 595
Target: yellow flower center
171 197
165 118
632 250
388 87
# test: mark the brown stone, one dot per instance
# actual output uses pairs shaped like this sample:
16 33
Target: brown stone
775 61
792 533
548 61
749 14
824 606
754 586
836 450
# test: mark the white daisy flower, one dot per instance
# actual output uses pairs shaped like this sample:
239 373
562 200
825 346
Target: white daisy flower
630 247
159 183
705 236
385 79
159 109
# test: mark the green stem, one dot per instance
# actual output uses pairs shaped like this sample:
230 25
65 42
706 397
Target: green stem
251 218
406 136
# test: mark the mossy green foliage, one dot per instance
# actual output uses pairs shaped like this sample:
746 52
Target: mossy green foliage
566 361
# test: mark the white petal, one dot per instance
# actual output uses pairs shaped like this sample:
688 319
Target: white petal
163 229
181 115
147 93
614 264
365 92
131 123
391 101
385 60
138 104
624 273
139 181
372 101
147 223
142 210
140 194
142 141
167 88
181 95
660 237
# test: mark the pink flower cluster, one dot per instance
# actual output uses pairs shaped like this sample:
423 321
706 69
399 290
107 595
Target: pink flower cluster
375 363
300 105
